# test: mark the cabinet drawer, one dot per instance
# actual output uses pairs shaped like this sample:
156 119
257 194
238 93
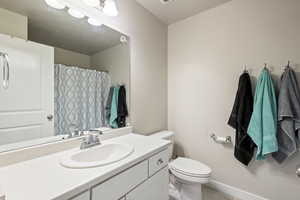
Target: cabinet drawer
119 185
158 162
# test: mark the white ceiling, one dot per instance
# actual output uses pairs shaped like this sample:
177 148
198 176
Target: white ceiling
57 28
178 9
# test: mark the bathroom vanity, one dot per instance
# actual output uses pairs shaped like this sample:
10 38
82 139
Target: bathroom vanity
143 175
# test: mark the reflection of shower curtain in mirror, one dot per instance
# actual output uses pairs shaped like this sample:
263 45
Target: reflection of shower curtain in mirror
80 97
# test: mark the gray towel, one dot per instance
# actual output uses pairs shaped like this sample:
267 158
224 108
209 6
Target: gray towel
288 116
108 103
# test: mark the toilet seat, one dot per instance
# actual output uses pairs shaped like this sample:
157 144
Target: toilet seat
190 170
186 176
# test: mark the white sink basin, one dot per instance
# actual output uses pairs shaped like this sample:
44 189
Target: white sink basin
101 155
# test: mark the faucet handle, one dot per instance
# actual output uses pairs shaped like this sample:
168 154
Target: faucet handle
90 140
96 138
73 130
96 131
84 140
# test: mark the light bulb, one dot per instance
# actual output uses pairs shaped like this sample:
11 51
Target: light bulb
75 13
94 22
93 3
55 4
110 8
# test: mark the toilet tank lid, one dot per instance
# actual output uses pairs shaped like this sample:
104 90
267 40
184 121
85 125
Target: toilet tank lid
163 134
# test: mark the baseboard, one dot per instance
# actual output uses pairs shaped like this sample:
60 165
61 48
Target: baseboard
233 191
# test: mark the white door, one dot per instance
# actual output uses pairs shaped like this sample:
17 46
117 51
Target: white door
155 188
28 100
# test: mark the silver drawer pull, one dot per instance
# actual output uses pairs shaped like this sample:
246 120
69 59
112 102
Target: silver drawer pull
160 161
5 63
298 172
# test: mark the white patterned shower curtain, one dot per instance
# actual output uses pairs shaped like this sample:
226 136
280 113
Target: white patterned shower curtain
80 97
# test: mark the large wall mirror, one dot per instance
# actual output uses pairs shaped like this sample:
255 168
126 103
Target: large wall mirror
60 74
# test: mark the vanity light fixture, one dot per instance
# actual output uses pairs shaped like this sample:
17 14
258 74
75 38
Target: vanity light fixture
75 13
94 22
166 1
110 8
56 4
92 3
107 7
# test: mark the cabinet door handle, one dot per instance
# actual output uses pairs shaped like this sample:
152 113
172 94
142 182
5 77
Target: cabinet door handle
49 117
160 161
298 172
6 69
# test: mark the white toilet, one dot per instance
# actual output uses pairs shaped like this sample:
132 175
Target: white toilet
186 175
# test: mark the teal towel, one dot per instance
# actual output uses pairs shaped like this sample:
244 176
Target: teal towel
114 109
263 124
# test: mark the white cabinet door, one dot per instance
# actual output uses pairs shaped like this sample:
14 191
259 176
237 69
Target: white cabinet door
155 188
117 186
26 103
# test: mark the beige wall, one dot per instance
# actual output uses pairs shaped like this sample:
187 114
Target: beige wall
116 60
206 54
148 45
62 56
148 54
13 24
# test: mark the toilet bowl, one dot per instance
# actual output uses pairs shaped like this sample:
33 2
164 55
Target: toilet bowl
189 175
186 175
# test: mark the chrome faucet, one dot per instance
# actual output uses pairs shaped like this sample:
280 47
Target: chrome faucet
73 131
91 140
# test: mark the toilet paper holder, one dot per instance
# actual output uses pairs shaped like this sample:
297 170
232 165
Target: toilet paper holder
221 140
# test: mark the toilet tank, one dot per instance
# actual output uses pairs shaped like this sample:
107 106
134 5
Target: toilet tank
166 135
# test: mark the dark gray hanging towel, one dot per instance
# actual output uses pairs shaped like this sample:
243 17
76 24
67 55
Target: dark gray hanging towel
108 103
240 118
122 107
288 116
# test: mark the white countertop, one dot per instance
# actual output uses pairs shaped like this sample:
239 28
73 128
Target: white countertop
45 179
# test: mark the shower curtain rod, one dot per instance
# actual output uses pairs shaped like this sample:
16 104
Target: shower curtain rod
101 70
85 68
